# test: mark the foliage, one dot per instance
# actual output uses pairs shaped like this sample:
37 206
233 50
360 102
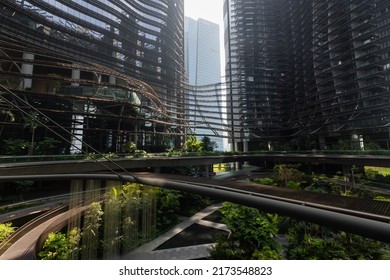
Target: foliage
311 241
168 204
320 183
140 153
110 155
226 249
372 146
47 145
266 253
33 121
15 146
129 147
59 246
342 145
93 218
293 185
173 152
252 234
74 237
284 173
192 144
265 181
191 203
382 198
208 145
6 230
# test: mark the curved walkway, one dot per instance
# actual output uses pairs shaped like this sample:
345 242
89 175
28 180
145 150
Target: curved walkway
23 248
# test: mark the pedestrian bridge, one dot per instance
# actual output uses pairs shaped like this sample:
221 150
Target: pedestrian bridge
365 217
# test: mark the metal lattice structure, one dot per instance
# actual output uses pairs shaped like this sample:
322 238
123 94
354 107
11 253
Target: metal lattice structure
313 70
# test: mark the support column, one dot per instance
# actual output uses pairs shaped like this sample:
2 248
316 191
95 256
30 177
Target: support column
77 120
75 76
245 149
112 80
207 171
357 141
27 69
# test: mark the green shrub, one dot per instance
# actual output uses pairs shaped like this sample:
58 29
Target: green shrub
6 230
265 181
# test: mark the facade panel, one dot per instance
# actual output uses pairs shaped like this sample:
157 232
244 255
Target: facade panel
131 46
308 73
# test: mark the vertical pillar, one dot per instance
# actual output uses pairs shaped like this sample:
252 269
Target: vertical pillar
207 171
245 149
136 135
75 76
112 80
356 141
27 69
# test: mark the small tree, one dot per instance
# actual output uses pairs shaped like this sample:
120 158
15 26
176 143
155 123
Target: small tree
286 173
56 247
208 145
193 144
33 120
61 246
252 234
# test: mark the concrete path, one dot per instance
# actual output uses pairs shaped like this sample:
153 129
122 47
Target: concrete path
149 251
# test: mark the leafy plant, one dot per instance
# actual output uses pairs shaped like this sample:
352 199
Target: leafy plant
56 247
47 145
252 234
265 181
208 145
192 144
284 173
6 230
15 146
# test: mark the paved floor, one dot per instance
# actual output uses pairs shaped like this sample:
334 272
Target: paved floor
150 250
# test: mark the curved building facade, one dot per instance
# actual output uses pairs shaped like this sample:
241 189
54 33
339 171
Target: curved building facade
107 71
309 73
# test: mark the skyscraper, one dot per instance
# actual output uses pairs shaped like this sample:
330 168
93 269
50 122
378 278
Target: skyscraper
308 73
202 62
108 72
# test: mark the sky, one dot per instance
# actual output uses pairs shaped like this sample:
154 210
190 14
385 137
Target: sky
211 10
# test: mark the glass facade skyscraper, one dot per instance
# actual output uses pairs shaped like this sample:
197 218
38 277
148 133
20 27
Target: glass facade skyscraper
308 73
202 60
109 71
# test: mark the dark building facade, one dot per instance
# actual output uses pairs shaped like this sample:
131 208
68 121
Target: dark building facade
308 73
107 72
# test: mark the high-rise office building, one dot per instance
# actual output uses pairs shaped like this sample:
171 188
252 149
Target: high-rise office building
108 72
308 73
203 67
